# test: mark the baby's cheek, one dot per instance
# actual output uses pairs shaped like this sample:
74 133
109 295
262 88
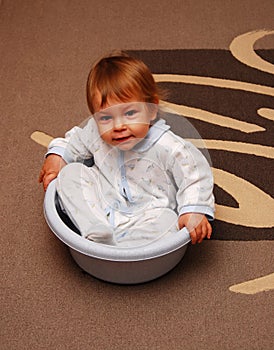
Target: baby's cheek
106 135
141 130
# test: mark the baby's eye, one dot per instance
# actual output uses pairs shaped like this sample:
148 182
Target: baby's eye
131 113
105 118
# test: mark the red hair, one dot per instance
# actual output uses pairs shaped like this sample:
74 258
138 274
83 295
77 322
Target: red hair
121 77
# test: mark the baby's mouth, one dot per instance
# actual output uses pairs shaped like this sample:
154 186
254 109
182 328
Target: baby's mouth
122 139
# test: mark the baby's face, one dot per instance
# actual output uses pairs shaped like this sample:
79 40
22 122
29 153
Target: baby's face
124 124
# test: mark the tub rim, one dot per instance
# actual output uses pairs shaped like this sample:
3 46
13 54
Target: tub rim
155 249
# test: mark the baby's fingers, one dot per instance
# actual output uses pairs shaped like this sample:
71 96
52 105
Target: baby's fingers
202 233
193 236
41 175
209 231
47 179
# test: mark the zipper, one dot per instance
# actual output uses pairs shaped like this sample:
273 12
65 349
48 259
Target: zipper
124 189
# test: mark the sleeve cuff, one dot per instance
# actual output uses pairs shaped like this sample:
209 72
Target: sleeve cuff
207 211
60 151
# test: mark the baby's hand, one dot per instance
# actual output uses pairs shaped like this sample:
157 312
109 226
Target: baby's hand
50 169
197 225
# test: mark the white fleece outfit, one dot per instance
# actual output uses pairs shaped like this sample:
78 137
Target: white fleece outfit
130 198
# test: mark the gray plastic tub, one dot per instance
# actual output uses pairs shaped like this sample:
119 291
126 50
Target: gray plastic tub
116 264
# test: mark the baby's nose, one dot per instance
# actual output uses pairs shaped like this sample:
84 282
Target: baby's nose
119 123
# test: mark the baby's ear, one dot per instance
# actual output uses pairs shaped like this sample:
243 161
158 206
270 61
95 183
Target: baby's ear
154 112
156 100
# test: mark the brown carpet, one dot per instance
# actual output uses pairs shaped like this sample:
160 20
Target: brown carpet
47 302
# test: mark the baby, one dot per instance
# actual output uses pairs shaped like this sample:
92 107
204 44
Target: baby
145 181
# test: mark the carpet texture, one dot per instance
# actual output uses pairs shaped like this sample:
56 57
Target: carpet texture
220 295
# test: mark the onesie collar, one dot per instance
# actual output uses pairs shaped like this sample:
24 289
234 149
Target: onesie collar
154 134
